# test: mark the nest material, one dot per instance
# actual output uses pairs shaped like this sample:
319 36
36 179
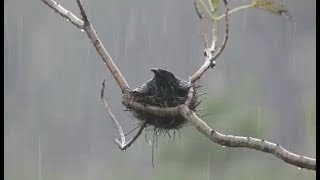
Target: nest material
164 122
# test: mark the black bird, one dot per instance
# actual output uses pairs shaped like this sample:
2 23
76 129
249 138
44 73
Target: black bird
164 85
164 90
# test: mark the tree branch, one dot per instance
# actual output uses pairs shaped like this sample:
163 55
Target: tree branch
201 17
82 12
248 142
210 57
92 35
64 13
226 140
123 145
235 10
183 110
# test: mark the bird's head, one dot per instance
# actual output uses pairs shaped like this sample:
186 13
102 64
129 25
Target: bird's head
161 74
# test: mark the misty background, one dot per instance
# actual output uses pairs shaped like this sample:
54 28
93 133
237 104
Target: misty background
56 128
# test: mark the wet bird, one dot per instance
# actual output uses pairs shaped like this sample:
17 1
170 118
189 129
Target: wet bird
164 85
163 90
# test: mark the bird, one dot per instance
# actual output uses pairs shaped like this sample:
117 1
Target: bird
163 90
164 85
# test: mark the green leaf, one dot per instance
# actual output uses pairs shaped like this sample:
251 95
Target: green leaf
214 6
271 6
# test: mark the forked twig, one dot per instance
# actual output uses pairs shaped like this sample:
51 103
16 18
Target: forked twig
64 13
201 17
123 145
92 35
210 57
83 13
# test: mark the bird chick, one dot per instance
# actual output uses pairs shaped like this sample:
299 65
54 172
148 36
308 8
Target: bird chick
164 85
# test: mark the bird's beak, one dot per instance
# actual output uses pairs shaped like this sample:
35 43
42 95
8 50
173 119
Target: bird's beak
155 70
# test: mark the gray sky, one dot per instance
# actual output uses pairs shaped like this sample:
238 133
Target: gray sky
53 76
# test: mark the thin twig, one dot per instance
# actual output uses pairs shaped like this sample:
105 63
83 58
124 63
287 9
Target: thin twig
201 17
210 59
123 145
153 143
235 10
82 12
196 7
207 114
202 94
205 7
65 13
226 34
134 138
132 130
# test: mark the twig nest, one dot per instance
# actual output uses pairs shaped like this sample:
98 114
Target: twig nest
163 122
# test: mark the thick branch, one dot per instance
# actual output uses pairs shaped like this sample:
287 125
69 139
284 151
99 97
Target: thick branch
94 39
225 140
248 142
106 57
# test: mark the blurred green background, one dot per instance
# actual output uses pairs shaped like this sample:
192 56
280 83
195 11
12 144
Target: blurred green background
55 127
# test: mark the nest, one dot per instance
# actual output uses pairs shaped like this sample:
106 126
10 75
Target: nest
163 123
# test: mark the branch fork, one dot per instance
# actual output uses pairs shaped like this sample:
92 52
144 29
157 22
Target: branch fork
211 54
123 145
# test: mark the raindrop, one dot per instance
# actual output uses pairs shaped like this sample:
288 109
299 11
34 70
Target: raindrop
259 122
6 31
82 30
39 159
124 150
20 31
149 39
5 20
165 23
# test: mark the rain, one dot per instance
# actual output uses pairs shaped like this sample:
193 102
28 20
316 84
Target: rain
55 126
